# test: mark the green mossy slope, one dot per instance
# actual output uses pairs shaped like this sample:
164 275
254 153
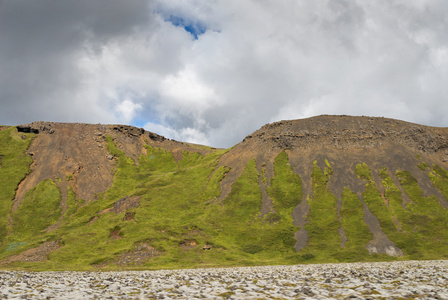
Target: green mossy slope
14 166
40 209
160 212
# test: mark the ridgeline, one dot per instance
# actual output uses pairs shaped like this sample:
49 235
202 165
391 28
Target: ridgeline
317 190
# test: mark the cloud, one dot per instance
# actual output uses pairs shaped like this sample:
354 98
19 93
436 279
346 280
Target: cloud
214 71
127 109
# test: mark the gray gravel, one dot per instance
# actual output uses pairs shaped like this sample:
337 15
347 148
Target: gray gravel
386 280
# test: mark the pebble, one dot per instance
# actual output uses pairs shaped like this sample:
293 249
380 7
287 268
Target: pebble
378 280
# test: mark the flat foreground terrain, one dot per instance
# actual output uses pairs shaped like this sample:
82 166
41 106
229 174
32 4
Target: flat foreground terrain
408 279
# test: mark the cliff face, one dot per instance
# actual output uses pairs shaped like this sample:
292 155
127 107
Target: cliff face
327 188
344 132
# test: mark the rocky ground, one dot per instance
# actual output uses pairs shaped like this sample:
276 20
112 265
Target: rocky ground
386 280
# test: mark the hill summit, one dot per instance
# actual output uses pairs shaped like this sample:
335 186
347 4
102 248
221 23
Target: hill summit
322 189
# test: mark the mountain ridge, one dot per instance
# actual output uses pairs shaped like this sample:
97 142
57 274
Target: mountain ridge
283 191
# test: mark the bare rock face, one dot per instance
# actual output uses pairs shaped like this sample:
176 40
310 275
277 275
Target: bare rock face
351 132
72 153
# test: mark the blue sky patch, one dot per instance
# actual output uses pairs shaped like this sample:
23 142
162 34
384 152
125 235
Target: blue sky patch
193 28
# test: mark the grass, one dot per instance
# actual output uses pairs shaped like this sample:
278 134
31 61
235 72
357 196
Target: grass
40 209
324 240
286 187
356 230
179 203
377 205
14 166
325 243
179 206
439 177
418 228
428 218
173 201
390 212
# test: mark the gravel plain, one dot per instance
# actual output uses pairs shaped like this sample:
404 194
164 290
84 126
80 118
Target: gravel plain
384 280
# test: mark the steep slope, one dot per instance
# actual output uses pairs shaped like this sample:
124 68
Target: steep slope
323 189
360 157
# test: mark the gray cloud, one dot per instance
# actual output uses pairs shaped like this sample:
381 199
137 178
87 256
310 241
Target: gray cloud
252 62
41 43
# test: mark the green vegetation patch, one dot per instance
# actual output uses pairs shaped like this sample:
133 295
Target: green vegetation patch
39 209
377 205
173 199
239 227
14 166
428 218
419 227
72 203
286 187
439 177
356 230
171 210
324 240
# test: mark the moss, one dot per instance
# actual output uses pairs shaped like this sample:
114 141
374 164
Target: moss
328 170
72 204
356 230
363 172
263 173
323 236
286 187
395 203
245 198
252 248
238 225
160 160
427 217
179 201
172 205
439 177
188 159
40 209
423 166
14 166
418 228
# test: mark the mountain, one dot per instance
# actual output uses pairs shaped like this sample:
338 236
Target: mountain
322 189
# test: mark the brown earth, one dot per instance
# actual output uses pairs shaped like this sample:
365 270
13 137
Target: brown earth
123 205
142 253
39 253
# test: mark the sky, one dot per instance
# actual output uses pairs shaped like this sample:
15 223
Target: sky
213 71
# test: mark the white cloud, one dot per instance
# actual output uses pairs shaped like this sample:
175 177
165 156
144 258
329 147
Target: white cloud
256 62
189 135
186 91
126 110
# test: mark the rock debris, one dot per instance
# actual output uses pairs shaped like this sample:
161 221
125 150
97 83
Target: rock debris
382 280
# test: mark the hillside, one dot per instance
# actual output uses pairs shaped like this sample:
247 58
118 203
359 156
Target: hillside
323 189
